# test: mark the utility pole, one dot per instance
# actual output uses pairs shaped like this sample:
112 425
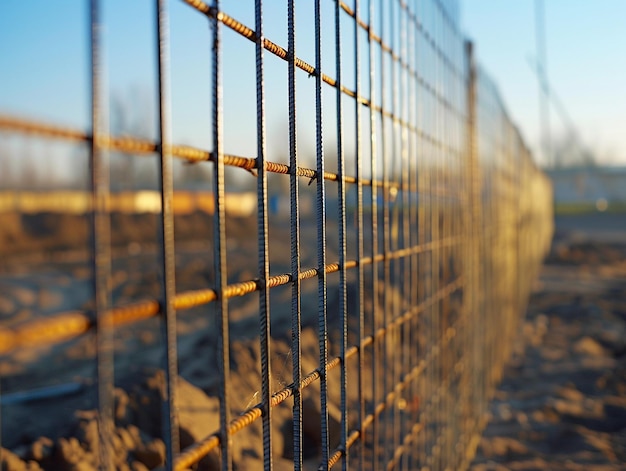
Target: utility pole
542 76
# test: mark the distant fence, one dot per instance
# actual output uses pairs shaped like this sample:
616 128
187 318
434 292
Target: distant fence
438 220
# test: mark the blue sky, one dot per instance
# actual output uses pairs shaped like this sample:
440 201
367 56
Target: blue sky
586 56
43 68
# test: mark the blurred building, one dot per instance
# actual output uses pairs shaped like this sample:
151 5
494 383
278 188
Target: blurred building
588 185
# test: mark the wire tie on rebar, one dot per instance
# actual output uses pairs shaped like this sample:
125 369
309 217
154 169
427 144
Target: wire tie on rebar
253 171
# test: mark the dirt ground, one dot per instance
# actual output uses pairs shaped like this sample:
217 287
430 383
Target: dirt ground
48 418
561 405
562 402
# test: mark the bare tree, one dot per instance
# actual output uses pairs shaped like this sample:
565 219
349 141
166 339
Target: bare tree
132 115
6 167
570 152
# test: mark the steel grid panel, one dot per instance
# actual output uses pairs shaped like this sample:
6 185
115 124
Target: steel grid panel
445 254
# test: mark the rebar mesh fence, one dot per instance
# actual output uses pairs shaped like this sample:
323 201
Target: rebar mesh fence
424 222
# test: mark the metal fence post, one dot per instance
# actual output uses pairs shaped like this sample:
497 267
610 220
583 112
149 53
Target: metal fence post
475 229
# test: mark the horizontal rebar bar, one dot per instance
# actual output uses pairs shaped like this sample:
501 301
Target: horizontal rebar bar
67 325
134 145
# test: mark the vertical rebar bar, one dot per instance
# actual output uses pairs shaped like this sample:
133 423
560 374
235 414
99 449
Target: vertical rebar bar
406 182
321 240
296 349
262 239
341 216
395 303
411 211
385 142
219 241
436 237
476 225
359 235
101 244
168 286
374 232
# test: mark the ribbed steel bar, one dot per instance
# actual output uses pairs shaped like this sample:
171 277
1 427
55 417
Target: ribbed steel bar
478 227
395 275
296 349
407 264
360 238
444 418
458 126
374 230
341 217
262 239
450 310
386 142
438 366
425 265
219 244
436 371
168 286
469 253
476 271
101 246
459 229
416 282
320 201
420 345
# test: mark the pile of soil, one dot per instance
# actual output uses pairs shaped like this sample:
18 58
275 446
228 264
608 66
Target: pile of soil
49 412
22 234
562 402
49 433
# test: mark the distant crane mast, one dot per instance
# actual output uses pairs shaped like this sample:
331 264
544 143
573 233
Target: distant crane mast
548 96
544 91
566 118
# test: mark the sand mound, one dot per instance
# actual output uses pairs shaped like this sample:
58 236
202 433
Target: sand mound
562 403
